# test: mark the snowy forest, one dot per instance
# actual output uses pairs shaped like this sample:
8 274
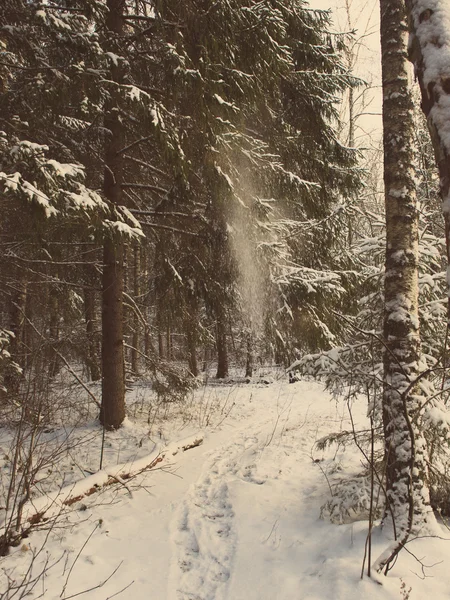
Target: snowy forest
224 307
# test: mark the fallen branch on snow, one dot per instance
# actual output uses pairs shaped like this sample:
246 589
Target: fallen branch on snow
41 509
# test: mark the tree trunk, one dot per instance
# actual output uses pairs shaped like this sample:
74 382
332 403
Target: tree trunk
53 358
145 264
404 445
250 359
191 338
191 328
205 359
429 50
221 341
169 354
160 344
91 350
136 323
112 411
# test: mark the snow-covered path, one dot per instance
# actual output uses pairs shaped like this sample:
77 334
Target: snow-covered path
249 527
237 518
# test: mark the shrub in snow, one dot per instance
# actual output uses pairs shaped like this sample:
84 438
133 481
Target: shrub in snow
351 501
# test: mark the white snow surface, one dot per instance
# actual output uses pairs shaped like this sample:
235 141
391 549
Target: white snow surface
236 518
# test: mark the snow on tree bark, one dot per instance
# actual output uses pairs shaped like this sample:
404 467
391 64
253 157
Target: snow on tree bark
407 496
429 51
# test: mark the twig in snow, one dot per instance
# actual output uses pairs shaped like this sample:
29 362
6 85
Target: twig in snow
76 559
95 587
119 479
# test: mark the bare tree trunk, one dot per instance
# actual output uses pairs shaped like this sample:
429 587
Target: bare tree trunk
221 341
136 323
145 266
169 353
250 359
205 359
127 311
404 444
429 51
160 344
91 350
191 338
112 411
191 328
53 358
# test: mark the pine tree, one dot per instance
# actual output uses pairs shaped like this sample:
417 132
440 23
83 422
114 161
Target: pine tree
51 105
265 116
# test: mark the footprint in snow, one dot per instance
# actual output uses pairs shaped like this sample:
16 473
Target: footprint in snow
202 531
203 535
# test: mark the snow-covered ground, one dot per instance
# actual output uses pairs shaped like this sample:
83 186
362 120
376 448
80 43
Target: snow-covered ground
235 518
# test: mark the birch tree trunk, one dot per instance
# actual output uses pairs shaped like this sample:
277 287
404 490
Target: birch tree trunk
112 411
429 51
407 497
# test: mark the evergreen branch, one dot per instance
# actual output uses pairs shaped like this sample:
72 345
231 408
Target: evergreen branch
147 165
151 19
10 66
155 213
376 337
135 143
168 228
145 186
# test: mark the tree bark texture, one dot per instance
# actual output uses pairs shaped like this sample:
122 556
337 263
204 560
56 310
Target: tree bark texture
53 359
191 321
160 344
169 347
404 445
191 340
429 51
221 341
91 356
136 323
112 411
250 358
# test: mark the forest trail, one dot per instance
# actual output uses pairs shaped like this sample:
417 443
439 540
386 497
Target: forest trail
237 518
241 506
248 528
